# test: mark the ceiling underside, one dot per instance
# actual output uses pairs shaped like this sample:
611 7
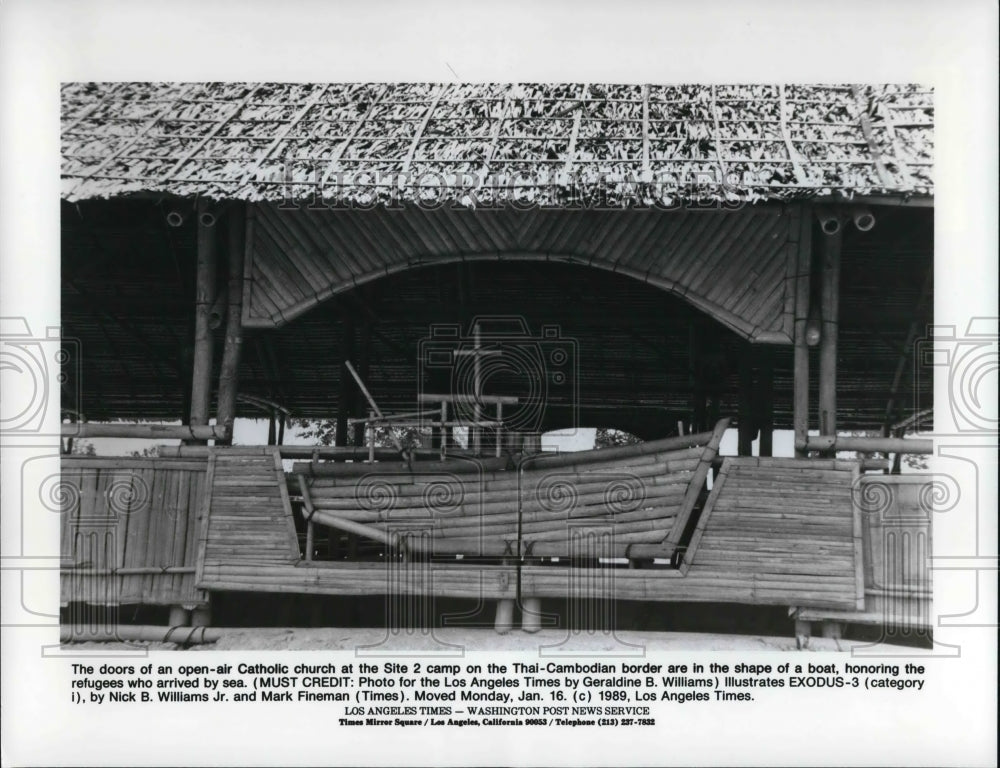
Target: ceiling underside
738 266
128 288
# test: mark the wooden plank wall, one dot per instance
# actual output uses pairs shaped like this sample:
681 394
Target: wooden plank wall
774 532
129 530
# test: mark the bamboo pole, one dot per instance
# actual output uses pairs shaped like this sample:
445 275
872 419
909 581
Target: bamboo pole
476 430
286 451
393 540
146 571
364 350
228 375
182 635
426 397
201 379
696 380
800 403
375 411
310 509
548 461
147 431
829 305
345 396
865 444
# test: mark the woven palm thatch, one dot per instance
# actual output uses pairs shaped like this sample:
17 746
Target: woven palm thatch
483 143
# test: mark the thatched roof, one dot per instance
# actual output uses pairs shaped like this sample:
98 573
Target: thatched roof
478 144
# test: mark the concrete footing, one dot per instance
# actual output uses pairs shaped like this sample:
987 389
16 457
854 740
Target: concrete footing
505 616
531 614
179 616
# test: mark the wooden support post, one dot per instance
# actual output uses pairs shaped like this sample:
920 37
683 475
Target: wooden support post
347 395
201 379
829 305
800 403
364 368
475 431
696 379
764 406
499 431
228 375
747 427
445 430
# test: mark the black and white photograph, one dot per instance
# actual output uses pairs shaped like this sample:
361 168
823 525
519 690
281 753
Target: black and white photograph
498 416
460 342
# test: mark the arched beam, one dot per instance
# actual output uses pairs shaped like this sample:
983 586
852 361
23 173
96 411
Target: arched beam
738 267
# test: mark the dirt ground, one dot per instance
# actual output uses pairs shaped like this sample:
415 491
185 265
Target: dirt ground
444 640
